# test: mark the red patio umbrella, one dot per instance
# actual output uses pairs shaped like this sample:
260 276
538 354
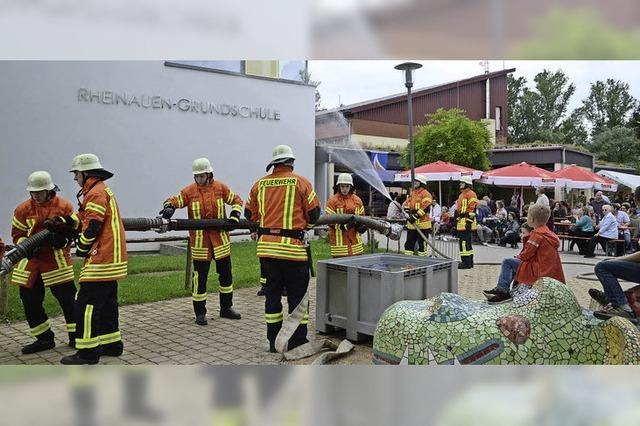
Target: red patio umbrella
573 176
439 171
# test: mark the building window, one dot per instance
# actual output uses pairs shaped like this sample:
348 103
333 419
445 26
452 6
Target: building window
498 118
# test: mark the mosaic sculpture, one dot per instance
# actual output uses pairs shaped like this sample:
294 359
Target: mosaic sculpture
542 325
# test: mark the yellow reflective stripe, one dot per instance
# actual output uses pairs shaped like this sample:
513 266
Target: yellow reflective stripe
311 197
86 241
115 227
21 239
421 212
357 248
305 319
236 208
58 276
409 252
220 205
231 196
39 329
222 251
287 211
76 220
225 290
58 254
329 211
87 343
95 208
180 200
263 280
71 327
273 318
21 226
261 193
105 339
30 224
88 312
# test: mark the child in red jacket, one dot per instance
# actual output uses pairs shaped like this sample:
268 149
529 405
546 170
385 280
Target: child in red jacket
539 256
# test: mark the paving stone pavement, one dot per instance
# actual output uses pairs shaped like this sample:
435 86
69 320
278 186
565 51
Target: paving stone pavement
165 333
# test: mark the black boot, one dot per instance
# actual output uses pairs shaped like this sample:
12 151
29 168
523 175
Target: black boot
201 320
136 405
80 359
44 341
112 349
72 340
229 313
38 346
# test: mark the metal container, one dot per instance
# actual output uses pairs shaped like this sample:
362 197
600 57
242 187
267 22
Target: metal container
353 292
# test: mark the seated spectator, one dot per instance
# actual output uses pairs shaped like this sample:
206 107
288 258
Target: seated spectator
513 208
434 214
620 212
444 227
578 207
607 231
539 256
613 299
582 228
508 269
559 211
501 212
482 214
512 234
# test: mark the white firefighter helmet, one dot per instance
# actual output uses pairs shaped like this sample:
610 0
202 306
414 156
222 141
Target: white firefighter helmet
281 153
344 178
467 180
40 181
85 162
201 165
422 179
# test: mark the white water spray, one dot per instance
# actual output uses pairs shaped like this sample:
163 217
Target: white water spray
347 152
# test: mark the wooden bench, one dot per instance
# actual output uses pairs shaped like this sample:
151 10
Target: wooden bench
567 237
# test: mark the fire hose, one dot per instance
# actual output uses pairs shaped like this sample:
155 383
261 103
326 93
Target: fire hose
424 237
23 250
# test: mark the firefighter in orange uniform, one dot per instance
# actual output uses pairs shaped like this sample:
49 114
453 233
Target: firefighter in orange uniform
101 241
206 199
50 266
466 221
285 205
345 238
417 207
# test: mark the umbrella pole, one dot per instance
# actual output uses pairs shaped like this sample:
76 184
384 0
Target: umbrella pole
440 192
521 199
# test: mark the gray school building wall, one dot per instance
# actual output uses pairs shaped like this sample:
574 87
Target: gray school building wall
147 122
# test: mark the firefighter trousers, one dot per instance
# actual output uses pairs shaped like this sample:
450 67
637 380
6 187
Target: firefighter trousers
33 299
199 284
466 249
294 276
97 318
414 237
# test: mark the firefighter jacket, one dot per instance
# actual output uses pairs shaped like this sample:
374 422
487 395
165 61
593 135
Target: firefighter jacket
208 202
466 210
345 243
282 201
54 265
419 202
107 259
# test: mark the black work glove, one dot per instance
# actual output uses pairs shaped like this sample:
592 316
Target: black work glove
57 223
167 212
82 251
361 229
234 217
57 241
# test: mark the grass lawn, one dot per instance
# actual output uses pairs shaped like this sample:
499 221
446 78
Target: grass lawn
153 278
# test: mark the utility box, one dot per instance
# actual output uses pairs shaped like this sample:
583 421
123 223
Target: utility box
353 292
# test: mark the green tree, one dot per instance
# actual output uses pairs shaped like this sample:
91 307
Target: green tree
608 105
449 135
573 130
305 76
634 122
618 144
538 114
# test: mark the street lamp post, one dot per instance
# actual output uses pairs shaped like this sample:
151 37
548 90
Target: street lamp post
408 68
